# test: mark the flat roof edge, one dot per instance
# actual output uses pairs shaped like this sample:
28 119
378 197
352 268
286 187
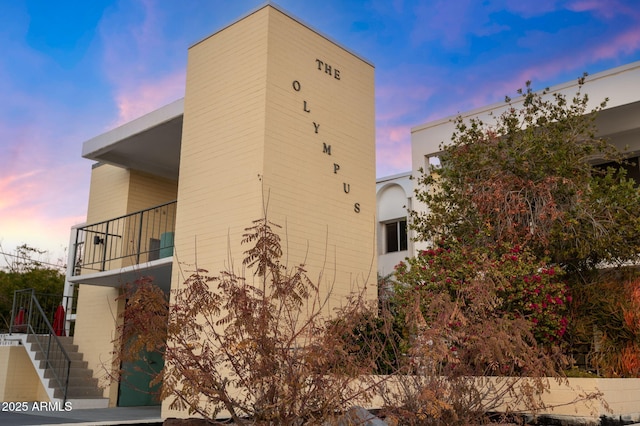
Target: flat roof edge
154 118
609 73
393 177
295 18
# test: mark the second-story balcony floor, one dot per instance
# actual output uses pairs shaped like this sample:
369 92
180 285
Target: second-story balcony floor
159 270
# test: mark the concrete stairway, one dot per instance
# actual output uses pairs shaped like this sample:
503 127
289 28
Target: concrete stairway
83 390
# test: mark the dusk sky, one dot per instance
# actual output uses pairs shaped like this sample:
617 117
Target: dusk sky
71 70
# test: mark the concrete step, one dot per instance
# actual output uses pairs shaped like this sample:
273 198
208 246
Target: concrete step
75 380
82 373
83 381
63 339
79 392
57 354
82 386
74 364
67 342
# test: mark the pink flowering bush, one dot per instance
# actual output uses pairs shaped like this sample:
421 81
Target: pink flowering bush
524 287
481 327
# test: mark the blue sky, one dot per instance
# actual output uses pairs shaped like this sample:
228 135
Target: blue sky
70 70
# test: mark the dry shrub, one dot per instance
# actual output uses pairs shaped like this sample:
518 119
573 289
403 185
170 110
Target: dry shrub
606 319
261 348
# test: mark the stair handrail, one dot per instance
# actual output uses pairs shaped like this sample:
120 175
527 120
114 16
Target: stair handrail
38 325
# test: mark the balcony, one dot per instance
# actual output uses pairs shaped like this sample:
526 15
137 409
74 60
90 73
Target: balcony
119 250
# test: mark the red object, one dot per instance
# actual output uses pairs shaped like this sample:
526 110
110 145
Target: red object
58 321
19 319
18 322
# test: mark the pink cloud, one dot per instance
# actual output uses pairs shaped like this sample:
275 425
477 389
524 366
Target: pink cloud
41 232
400 96
531 8
140 62
393 149
57 189
43 180
22 162
404 89
493 90
39 208
396 101
134 102
626 42
14 188
605 8
449 24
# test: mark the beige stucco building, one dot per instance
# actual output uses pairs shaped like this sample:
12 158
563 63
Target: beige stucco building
277 119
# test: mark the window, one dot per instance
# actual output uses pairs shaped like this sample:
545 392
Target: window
396 235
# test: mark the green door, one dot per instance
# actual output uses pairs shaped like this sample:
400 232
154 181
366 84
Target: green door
134 389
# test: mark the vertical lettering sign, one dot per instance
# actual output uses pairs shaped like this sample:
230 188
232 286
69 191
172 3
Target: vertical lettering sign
330 71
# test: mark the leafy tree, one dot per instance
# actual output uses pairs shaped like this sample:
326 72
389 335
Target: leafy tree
515 212
23 271
536 178
529 179
26 258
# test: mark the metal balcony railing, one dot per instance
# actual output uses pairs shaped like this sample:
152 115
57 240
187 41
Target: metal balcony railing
126 240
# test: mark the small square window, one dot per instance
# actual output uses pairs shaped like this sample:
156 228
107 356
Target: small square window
396 236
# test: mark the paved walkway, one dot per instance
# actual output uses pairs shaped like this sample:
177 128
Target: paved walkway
149 416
